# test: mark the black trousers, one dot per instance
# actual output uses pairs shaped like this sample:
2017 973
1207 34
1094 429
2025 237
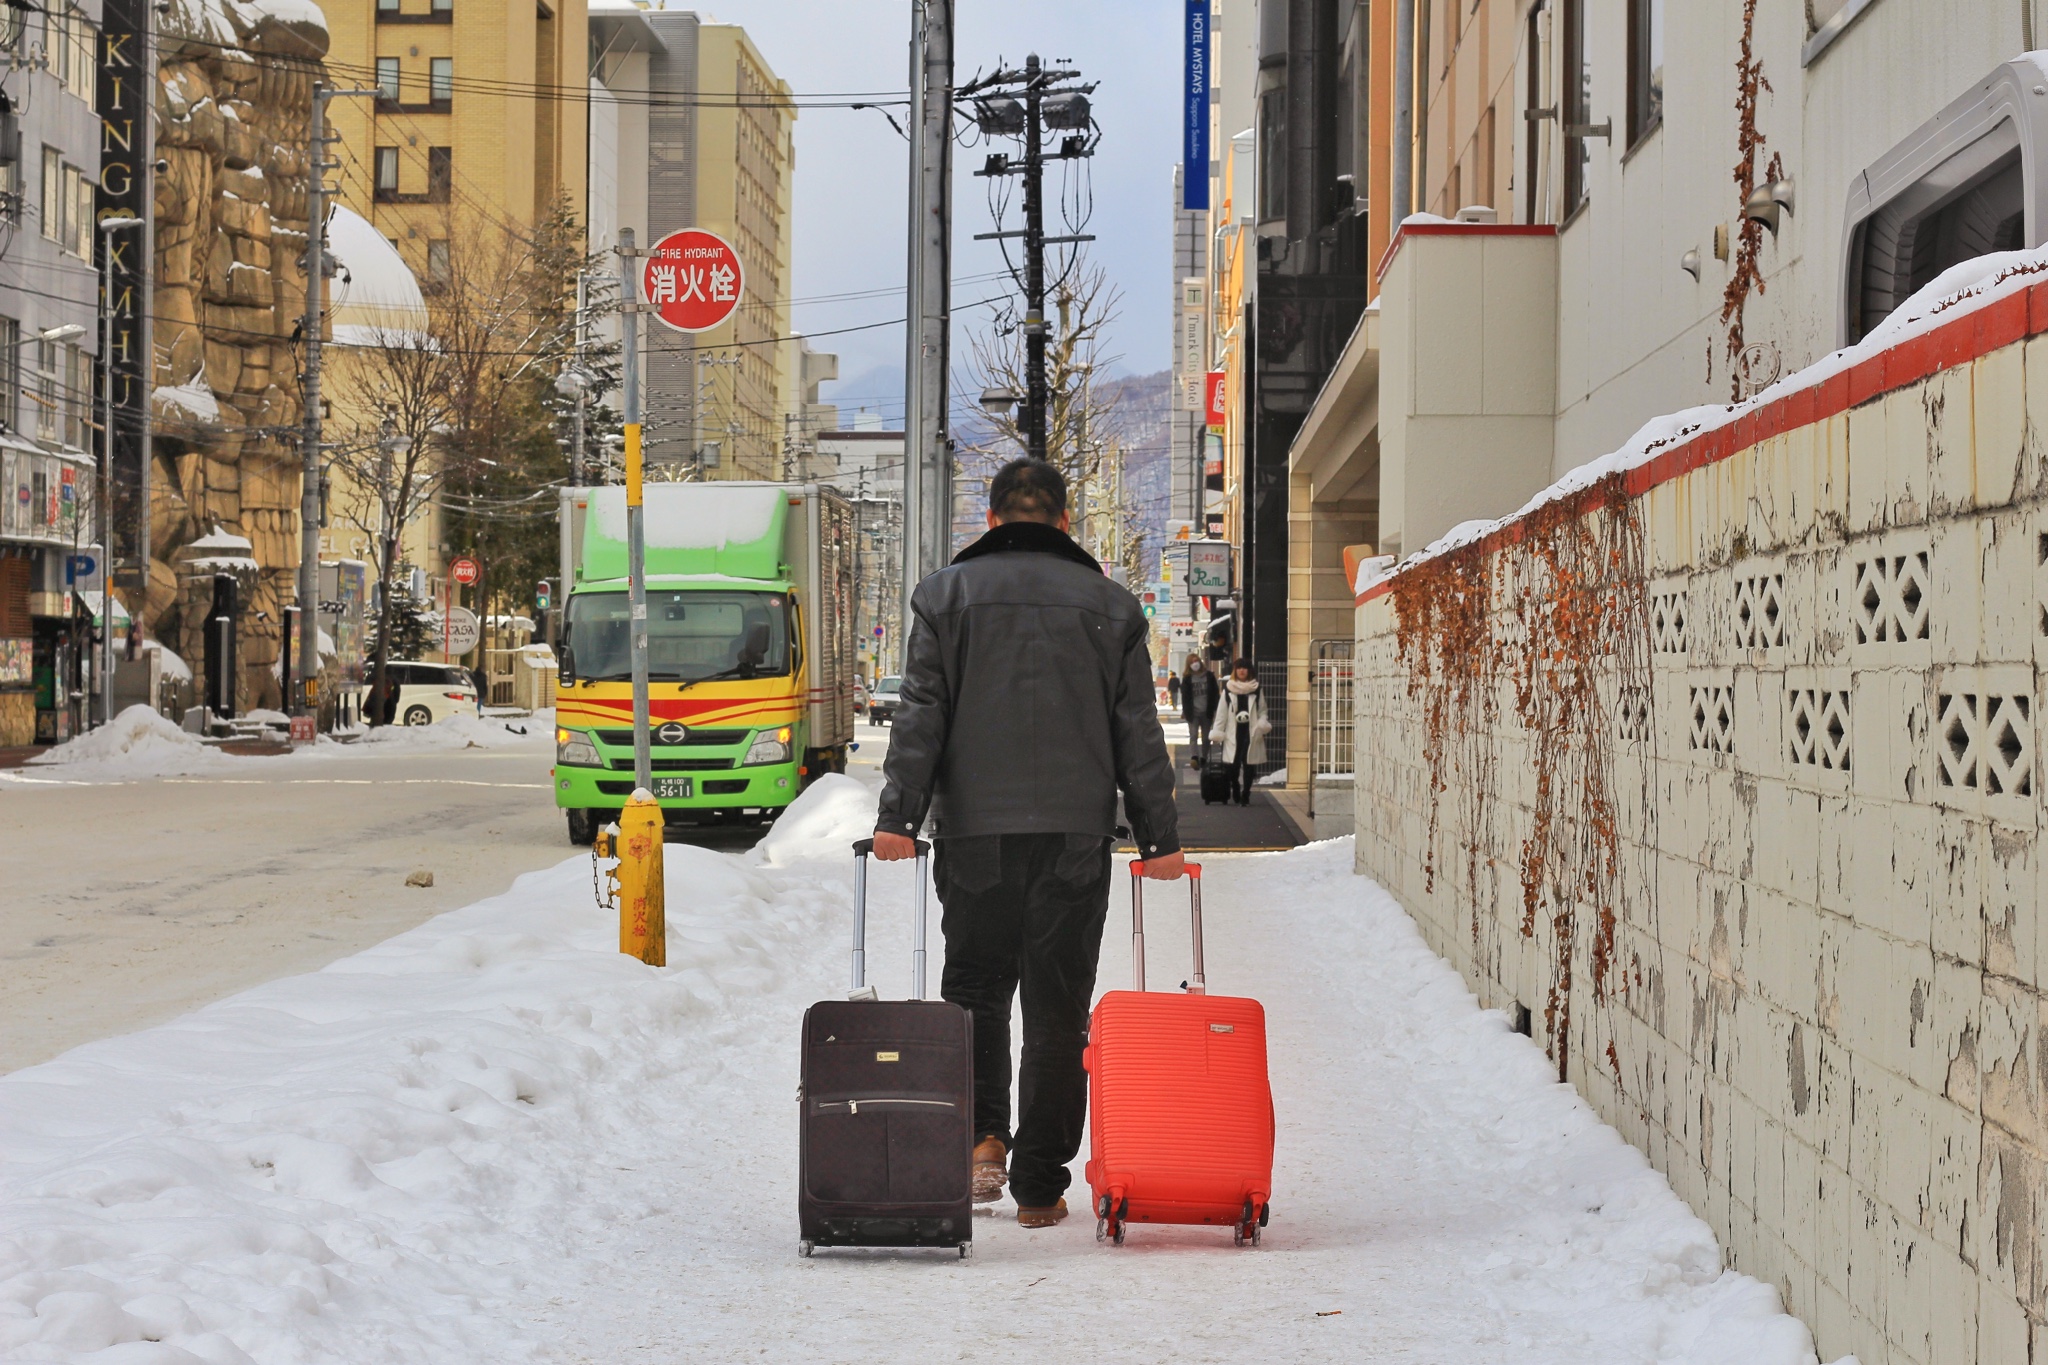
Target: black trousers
1242 772
1025 911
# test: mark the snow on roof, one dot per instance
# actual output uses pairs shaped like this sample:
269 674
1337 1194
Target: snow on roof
219 539
193 397
377 302
692 516
1957 292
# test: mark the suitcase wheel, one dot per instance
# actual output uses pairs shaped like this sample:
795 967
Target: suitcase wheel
805 1247
1109 1220
1249 1223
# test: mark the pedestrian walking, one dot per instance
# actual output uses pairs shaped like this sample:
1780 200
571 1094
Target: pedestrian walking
1027 705
1241 728
1173 689
1198 693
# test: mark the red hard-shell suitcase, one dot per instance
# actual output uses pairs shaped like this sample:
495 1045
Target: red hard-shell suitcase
1180 1113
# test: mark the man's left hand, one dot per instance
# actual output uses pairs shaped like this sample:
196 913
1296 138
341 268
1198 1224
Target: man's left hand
1166 867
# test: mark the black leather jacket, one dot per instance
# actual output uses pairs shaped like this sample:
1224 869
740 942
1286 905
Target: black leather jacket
1027 700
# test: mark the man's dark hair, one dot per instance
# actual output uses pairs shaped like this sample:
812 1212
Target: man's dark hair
1033 490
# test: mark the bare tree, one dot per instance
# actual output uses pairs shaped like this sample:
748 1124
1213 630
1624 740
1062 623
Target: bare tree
392 465
1084 435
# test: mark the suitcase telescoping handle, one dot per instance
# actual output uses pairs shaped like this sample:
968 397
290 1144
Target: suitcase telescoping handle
861 990
1194 870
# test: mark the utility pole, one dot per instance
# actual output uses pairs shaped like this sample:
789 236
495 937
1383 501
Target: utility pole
926 426
636 526
306 701
1035 397
1026 104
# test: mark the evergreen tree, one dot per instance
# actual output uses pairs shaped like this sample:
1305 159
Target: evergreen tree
412 634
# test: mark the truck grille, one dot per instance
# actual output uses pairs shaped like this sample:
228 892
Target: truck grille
705 737
677 765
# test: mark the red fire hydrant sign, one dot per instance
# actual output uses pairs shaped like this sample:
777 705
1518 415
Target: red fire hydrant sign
693 280
465 571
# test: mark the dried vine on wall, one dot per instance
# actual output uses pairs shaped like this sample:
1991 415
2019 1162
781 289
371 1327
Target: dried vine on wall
1748 275
1575 609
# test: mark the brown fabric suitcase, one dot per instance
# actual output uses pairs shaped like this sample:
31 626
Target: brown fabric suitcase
886 1140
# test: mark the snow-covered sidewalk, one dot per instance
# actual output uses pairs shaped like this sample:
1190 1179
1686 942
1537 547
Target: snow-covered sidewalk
494 1138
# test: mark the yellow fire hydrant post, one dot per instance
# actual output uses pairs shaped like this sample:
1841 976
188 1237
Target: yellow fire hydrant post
643 928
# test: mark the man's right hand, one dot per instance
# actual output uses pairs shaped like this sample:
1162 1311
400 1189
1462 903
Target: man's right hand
894 848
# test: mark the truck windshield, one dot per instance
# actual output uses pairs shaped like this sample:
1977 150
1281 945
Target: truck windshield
690 635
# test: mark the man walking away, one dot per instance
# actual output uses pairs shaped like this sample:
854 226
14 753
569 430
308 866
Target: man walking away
1027 705
1241 728
1198 708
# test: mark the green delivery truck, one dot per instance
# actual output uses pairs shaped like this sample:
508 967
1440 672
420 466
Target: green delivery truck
750 650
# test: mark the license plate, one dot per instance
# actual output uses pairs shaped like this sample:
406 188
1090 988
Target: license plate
672 788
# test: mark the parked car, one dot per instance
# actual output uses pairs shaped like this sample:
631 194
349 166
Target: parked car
860 697
431 692
882 703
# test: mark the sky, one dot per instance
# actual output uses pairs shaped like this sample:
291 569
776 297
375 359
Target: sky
851 168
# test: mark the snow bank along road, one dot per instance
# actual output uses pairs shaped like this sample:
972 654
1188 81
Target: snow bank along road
147 877
494 1138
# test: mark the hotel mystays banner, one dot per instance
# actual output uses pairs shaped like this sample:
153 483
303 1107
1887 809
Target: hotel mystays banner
1194 180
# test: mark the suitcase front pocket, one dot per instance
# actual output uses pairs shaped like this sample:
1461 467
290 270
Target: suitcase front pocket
885 1150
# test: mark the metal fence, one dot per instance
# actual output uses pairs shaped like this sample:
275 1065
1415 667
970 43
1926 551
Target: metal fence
1332 670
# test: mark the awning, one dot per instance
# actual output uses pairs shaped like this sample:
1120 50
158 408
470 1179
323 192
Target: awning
91 601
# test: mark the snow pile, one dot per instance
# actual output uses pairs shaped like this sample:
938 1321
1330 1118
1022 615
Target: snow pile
480 1139
374 1162
137 743
173 665
823 822
1960 290
1276 778
459 731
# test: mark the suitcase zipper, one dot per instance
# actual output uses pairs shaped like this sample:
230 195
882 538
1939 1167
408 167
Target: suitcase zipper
853 1106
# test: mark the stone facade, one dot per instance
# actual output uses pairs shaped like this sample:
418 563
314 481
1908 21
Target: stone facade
1823 1008
234 99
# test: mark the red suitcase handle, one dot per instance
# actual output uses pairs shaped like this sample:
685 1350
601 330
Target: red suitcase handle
1194 874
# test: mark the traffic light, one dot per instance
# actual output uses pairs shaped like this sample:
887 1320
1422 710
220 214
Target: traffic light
544 595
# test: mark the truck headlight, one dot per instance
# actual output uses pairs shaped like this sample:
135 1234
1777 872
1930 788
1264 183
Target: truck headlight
770 746
575 750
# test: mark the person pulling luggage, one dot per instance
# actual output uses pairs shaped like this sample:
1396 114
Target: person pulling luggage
1241 728
1198 708
1027 705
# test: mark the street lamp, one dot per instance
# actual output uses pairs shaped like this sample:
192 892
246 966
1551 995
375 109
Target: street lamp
63 333
1000 399
107 227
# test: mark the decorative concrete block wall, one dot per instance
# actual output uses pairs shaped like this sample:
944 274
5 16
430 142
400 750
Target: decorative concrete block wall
1820 1005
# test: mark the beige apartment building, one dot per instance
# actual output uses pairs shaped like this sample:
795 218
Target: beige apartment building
691 127
480 117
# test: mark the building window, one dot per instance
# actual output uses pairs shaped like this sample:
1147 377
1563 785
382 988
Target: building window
10 372
439 271
1532 148
387 172
67 205
1574 100
78 221
73 44
49 415
440 174
387 81
441 80
1645 68
444 6
53 194
1272 158
387 6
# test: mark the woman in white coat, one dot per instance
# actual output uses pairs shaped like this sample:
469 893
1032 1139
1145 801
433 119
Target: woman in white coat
1241 728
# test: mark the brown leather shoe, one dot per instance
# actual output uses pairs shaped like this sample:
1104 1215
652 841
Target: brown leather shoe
990 1170
1041 1218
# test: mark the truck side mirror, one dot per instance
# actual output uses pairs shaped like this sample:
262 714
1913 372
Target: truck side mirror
565 668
